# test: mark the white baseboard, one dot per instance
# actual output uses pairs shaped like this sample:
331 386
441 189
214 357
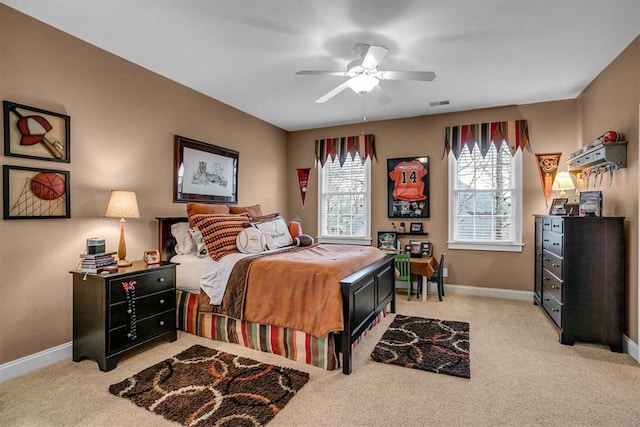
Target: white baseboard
35 361
631 347
489 292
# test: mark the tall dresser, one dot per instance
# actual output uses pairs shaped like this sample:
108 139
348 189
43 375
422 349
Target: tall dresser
579 277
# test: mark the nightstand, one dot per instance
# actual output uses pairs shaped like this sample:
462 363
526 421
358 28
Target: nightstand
114 314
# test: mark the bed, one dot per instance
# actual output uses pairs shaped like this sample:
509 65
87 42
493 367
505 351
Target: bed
365 296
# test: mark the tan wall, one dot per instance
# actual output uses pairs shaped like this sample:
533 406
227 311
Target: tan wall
612 101
123 119
552 128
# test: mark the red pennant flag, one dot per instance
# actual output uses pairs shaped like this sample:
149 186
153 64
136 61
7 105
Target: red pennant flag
303 182
547 167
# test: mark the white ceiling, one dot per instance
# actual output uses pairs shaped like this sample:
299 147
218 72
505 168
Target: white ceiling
245 52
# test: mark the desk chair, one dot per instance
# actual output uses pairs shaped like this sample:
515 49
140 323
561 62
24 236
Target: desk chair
438 278
403 265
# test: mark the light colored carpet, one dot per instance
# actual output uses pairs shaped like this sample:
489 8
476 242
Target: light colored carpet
520 376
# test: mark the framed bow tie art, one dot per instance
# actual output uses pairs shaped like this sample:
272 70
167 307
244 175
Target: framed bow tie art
34 133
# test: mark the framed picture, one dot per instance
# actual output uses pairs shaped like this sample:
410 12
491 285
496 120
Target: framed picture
31 193
33 133
151 256
204 172
388 241
590 203
416 228
558 206
408 187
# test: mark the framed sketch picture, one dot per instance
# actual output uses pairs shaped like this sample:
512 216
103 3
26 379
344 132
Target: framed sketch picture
408 187
34 133
204 172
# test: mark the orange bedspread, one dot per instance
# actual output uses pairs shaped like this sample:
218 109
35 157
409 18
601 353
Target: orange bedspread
301 290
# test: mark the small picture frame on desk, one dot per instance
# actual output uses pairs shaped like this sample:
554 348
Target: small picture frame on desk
558 206
416 228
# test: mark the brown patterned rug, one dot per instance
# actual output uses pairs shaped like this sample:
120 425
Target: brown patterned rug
205 387
433 345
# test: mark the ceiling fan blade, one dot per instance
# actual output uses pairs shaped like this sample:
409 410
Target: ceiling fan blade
325 73
380 96
426 76
374 56
332 93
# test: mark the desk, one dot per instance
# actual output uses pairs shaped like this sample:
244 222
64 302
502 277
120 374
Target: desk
423 268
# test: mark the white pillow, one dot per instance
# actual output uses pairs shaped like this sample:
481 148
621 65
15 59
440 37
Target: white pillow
276 232
184 242
201 246
251 241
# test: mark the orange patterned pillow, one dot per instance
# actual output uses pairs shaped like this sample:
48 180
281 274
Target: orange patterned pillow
219 232
203 208
255 210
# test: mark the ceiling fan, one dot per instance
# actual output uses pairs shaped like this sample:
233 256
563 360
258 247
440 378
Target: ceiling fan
364 76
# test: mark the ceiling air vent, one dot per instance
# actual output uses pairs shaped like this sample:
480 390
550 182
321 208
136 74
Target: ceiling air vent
439 103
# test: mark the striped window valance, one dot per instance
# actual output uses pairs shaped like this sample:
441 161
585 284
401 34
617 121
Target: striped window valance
514 132
339 148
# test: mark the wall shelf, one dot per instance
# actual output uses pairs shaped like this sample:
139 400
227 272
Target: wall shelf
614 154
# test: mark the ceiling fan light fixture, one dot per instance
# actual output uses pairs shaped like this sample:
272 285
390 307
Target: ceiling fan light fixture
363 83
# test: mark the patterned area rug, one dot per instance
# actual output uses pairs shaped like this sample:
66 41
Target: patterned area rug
434 345
205 387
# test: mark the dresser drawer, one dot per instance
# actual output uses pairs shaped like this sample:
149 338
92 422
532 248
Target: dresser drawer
120 338
552 285
557 225
553 263
147 306
552 307
546 224
147 283
553 243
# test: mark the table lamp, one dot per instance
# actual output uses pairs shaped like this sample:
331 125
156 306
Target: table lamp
122 204
563 182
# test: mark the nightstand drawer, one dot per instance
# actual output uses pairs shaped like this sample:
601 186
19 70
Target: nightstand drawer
121 338
148 283
144 307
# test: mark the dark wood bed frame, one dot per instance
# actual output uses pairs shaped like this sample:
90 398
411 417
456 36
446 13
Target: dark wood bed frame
365 293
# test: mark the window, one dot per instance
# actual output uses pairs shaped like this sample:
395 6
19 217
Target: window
344 202
485 200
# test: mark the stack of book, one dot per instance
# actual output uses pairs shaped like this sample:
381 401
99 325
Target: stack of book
99 263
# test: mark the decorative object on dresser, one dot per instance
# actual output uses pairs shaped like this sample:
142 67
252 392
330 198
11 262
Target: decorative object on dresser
115 314
34 133
562 182
151 256
558 206
590 203
204 172
103 262
122 204
408 187
579 277
33 193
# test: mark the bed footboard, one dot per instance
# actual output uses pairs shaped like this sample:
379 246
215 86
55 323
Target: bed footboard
365 294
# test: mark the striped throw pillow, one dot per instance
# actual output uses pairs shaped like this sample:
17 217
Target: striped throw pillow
219 232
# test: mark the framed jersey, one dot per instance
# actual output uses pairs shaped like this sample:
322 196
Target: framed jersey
408 187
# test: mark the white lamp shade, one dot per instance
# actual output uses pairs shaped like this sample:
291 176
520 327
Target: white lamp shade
563 182
122 204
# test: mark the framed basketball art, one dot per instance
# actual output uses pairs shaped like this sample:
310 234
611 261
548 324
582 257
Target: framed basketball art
408 187
31 193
